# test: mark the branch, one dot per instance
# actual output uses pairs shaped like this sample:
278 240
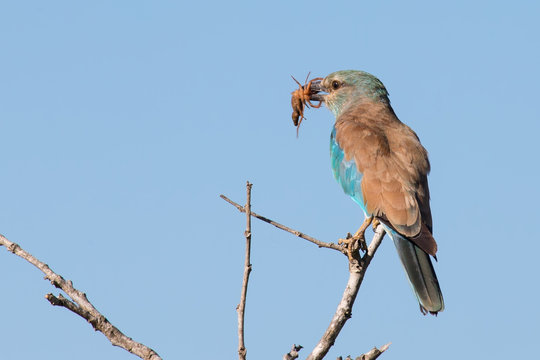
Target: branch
373 353
357 270
79 304
293 354
247 270
370 355
285 228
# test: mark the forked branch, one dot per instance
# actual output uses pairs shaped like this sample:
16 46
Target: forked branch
357 269
80 305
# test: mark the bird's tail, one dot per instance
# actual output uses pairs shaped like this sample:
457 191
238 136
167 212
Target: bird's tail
421 274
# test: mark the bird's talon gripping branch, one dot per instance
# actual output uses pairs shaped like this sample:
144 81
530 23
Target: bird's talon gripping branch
362 243
361 231
351 243
358 240
374 224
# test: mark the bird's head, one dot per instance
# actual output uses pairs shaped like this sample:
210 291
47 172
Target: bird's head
348 87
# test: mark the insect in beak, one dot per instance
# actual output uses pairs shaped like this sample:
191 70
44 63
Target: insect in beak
302 97
316 89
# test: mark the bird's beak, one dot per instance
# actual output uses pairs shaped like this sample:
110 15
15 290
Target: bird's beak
316 89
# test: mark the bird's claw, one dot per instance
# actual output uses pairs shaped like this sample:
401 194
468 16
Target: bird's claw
374 223
358 240
353 244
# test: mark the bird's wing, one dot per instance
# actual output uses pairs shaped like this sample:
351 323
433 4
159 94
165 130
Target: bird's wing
381 164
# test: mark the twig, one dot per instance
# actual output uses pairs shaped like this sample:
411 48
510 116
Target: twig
80 305
293 354
373 353
357 270
247 270
285 228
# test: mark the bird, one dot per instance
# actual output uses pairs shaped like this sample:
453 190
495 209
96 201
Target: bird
381 164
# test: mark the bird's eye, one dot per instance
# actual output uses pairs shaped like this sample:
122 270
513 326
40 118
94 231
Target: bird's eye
336 84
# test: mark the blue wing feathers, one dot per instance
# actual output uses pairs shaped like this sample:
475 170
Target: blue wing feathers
346 173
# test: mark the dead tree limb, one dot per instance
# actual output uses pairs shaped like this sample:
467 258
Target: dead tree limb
80 305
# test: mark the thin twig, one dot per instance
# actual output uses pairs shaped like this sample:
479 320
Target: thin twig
247 270
357 270
80 305
293 354
285 228
373 353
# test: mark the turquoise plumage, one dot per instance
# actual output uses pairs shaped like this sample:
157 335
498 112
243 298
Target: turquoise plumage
346 173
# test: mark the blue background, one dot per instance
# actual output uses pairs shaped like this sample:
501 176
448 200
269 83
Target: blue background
122 122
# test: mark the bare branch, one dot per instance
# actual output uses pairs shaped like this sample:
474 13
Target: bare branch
247 270
373 353
357 270
80 305
293 354
285 228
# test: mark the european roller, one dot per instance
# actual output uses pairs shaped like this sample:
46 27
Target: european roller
381 164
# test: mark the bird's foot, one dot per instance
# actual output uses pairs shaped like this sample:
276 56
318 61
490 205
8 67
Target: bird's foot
356 241
353 244
361 231
374 224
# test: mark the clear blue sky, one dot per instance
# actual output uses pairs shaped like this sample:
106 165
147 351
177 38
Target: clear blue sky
123 121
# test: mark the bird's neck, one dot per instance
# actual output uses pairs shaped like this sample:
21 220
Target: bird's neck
360 104
342 104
